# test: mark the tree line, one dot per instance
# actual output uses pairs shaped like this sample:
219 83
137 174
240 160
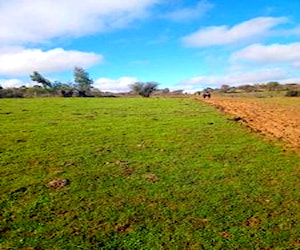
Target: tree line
290 89
81 87
83 83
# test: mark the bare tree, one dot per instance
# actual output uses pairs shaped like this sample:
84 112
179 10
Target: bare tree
144 89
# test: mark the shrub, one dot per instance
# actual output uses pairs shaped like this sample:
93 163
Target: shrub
144 89
11 93
292 93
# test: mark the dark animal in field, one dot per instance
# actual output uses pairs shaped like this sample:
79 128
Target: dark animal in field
82 93
206 95
67 93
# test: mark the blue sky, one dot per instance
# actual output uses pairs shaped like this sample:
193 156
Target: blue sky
180 44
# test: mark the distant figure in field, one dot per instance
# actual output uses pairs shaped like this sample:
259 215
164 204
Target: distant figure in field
206 95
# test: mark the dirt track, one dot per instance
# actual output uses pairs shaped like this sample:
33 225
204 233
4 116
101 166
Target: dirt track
278 117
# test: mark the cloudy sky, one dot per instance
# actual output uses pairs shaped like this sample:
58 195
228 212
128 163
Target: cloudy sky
181 44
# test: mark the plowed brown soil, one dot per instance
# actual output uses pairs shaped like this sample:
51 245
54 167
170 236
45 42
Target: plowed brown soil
278 117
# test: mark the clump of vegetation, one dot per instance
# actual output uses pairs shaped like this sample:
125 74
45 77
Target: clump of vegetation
11 93
258 89
293 93
82 86
273 86
37 77
144 89
83 82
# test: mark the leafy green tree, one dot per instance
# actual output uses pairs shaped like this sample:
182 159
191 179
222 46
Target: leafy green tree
65 89
144 89
57 85
82 80
37 77
272 86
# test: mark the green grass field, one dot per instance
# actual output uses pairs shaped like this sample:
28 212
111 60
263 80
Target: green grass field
148 173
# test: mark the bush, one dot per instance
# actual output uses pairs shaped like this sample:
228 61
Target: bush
144 89
292 93
11 93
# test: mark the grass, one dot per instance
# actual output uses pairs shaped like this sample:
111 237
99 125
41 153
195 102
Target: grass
144 174
289 102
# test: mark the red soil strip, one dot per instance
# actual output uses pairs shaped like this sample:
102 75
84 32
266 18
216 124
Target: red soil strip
278 117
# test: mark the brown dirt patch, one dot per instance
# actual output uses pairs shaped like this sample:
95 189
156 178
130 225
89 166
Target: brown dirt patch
252 222
58 183
126 228
225 235
151 177
278 117
200 223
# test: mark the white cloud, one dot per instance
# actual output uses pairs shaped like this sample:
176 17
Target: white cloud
238 78
221 35
275 53
114 85
28 21
19 61
186 14
13 83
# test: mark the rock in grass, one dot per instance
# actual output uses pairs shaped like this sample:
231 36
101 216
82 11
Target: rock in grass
58 183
